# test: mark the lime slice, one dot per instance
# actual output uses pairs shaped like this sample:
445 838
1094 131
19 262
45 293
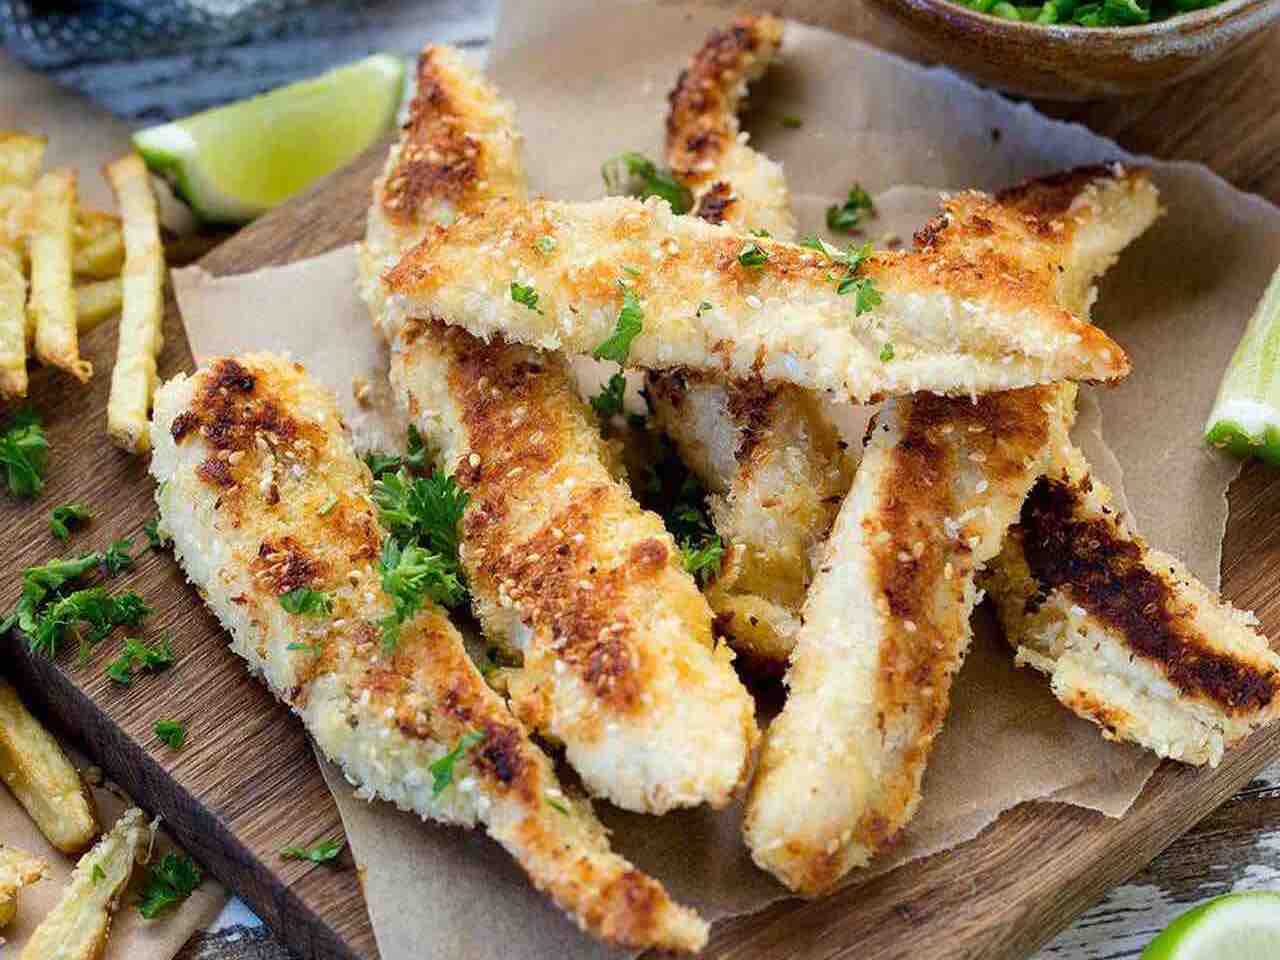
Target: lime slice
232 163
1239 926
1246 416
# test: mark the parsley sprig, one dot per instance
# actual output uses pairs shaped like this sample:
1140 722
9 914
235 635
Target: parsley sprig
411 574
674 493
307 602
117 558
416 457
636 175
525 295
425 509
171 732
24 453
169 882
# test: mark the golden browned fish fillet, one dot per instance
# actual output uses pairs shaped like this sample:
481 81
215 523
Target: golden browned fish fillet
706 149
619 662
772 461
1129 638
263 495
886 626
957 324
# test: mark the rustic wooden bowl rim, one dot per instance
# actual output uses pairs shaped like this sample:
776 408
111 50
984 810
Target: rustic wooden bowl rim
1205 16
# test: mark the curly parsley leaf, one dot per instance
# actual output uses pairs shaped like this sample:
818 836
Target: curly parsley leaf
42 583
411 575
846 217
442 769
169 882
93 607
636 175
24 454
525 295
137 655
425 509
630 323
886 353
171 732
67 516
322 852
117 559
416 456
703 560
307 602
865 294
609 401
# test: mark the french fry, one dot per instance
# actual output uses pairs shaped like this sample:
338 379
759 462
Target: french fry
13 325
34 767
53 302
133 379
18 869
96 301
77 928
20 157
15 208
99 245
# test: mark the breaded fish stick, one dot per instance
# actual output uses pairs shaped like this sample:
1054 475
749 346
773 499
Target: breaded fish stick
264 495
950 324
770 458
886 626
706 149
619 661
1129 638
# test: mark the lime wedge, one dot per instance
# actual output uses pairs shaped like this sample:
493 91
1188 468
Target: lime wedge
232 163
1246 416
1239 926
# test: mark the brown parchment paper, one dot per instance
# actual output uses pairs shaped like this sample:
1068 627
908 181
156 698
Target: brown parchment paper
132 937
590 80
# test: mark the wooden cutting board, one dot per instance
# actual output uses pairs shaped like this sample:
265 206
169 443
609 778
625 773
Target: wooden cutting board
246 784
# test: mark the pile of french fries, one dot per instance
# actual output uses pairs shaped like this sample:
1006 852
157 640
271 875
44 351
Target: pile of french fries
38 773
64 269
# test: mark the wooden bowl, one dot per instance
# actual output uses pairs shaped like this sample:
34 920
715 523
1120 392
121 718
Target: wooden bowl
1078 63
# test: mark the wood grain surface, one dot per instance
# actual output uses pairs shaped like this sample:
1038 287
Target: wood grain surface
246 784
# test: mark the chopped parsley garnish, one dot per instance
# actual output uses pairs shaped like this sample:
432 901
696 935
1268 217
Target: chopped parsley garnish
886 353
546 243
312 648
847 217
442 769
328 505
556 804
753 255
41 584
322 852
609 401
525 295
703 307
117 559
411 575
425 509
137 655
156 539
69 515
791 121
171 732
865 294
636 175
94 608
307 602
760 232
98 874
415 456
24 453
169 882
630 323
673 492
703 560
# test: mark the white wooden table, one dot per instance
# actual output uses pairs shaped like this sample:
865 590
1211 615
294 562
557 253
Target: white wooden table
1237 848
